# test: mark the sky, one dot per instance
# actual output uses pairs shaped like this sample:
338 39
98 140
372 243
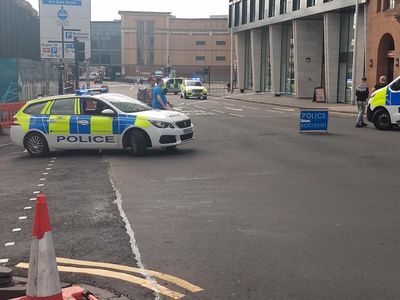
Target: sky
107 10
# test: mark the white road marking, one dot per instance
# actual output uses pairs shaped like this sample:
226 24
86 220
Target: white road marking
42 179
218 111
32 199
3 145
249 107
3 260
9 244
40 184
132 239
36 192
235 115
284 109
48 169
27 207
54 158
201 107
16 229
45 173
22 218
232 108
50 165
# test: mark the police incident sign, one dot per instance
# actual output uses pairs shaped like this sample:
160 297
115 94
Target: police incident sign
314 120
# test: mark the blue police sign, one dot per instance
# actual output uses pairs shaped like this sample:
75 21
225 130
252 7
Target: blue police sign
62 14
314 120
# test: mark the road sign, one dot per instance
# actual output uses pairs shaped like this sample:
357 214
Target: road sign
314 120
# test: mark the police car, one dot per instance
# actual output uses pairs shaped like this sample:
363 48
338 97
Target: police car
193 88
95 119
383 108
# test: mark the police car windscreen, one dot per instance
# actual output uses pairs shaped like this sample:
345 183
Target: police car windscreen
125 104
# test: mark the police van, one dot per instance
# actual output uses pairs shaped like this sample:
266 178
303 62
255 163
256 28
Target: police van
172 85
383 108
95 119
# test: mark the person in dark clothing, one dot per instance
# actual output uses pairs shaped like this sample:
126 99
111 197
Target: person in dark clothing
362 94
382 83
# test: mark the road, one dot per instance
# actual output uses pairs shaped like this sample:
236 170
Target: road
250 210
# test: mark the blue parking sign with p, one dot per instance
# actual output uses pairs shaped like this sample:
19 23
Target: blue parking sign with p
53 50
68 34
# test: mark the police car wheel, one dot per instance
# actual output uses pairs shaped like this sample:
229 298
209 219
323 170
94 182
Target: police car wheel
381 120
137 142
186 96
181 95
36 144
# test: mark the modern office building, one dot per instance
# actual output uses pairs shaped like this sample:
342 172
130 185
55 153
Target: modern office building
157 40
293 46
19 30
106 46
383 55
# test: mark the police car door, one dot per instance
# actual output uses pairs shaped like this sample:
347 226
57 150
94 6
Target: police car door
62 123
95 128
393 100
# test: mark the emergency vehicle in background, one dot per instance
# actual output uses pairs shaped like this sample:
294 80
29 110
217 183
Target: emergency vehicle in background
193 88
383 108
95 119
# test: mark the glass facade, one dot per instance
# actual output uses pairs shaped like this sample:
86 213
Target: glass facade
346 56
287 60
248 78
265 72
150 43
140 43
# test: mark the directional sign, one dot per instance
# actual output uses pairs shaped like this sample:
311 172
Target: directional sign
314 120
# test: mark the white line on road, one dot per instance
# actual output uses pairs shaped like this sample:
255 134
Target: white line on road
3 260
16 229
27 207
198 106
22 218
218 111
284 109
276 111
3 145
235 115
232 108
36 192
9 244
249 107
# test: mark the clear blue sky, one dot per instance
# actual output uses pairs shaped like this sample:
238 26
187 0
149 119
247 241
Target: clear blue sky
107 10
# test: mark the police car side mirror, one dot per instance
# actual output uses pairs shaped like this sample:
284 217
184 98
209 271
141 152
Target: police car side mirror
108 112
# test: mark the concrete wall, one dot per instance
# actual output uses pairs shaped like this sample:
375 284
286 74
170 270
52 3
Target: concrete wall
308 52
256 58
240 54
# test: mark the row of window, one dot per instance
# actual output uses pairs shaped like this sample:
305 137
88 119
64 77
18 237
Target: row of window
383 5
218 43
201 58
241 8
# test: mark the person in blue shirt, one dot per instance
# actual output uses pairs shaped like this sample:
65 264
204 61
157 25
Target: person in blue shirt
159 100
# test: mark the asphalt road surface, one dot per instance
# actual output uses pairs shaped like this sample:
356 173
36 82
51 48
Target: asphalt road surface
249 210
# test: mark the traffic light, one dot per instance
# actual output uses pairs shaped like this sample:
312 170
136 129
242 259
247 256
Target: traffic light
79 51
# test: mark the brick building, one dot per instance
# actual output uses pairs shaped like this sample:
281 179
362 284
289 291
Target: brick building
383 40
156 40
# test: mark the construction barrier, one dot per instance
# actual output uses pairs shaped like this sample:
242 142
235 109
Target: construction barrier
43 278
7 112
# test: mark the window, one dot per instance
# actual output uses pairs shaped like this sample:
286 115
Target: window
200 58
395 86
388 4
63 107
93 107
244 11
220 58
296 5
220 43
252 10
271 8
310 3
35 109
283 7
261 9
199 43
140 43
237 13
378 5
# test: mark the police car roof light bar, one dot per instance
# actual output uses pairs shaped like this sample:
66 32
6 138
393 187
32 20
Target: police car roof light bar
93 91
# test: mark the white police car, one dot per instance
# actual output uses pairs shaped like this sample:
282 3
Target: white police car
95 119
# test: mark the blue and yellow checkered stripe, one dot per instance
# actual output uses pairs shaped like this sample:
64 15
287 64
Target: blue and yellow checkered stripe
93 125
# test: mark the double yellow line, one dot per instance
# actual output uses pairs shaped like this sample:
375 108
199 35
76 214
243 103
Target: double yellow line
125 277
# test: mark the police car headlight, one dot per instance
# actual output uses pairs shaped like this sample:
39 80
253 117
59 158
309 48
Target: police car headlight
160 124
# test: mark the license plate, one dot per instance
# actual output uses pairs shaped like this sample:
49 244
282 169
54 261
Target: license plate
188 130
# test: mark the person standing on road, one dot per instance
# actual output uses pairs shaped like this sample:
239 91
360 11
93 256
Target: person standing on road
362 94
382 83
159 100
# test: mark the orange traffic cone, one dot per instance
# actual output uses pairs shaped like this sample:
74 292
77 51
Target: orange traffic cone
43 278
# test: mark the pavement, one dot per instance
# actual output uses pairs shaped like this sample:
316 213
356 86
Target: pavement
285 101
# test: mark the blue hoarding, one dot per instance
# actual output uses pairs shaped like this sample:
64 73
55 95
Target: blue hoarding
314 120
